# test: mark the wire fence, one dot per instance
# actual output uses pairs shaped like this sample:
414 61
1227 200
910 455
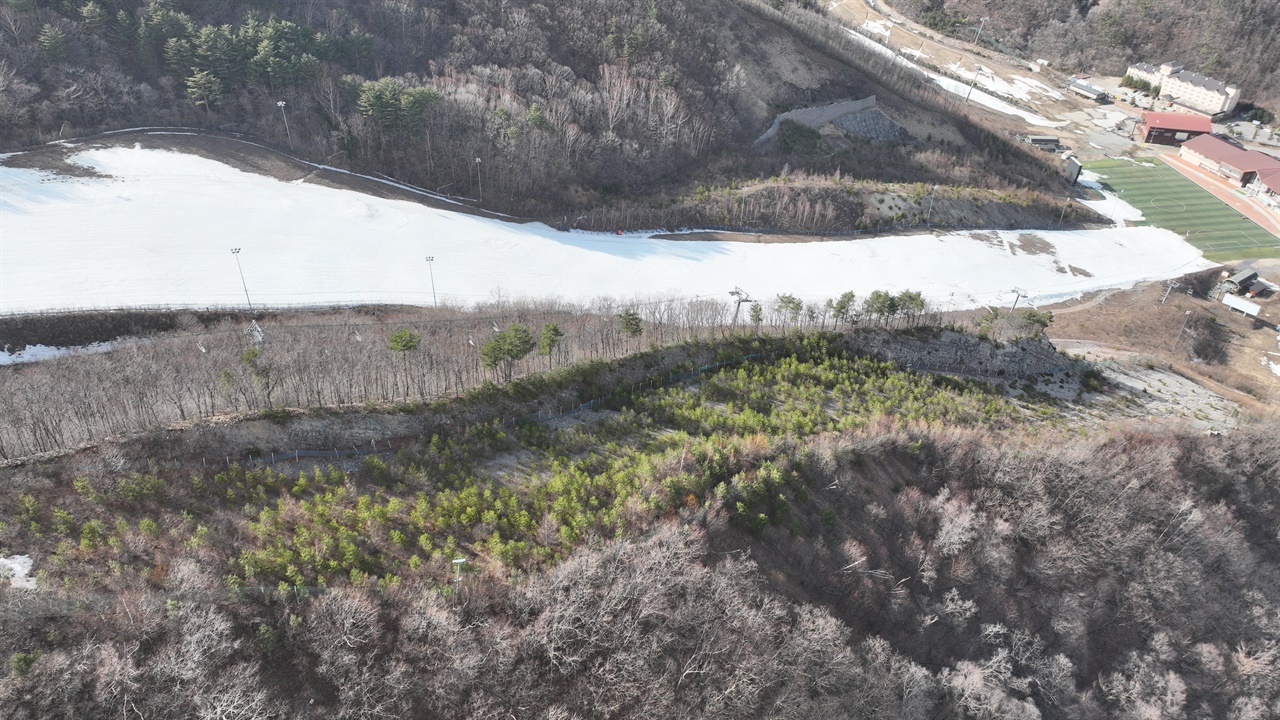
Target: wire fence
877 230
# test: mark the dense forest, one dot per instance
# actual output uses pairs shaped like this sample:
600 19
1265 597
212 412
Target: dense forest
1231 41
537 109
799 531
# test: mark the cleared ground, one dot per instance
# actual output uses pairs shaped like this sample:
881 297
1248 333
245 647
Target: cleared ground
1173 202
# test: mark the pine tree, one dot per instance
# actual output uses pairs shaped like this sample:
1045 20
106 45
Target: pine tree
549 340
506 347
204 89
53 42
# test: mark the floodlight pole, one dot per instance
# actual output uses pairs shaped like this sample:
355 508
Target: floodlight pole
929 214
236 252
431 259
971 84
1018 296
457 569
1186 317
1064 212
285 115
479 181
978 33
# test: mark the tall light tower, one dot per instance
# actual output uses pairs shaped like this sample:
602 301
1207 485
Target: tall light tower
976 72
929 214
431 259
280 104
978 33
236 252
1186 318
479 180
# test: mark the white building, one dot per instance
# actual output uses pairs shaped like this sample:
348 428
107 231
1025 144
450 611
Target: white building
1192 91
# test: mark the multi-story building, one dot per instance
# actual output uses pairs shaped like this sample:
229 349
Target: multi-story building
1188 90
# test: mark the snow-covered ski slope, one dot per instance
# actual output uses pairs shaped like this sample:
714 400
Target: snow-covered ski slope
159 232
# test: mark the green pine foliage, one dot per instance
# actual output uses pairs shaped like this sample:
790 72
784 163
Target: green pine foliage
735 439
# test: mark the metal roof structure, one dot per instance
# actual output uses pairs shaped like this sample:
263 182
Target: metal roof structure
1223 151
1177 121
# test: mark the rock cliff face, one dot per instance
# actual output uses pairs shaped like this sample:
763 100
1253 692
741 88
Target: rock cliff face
1018 361
1231 41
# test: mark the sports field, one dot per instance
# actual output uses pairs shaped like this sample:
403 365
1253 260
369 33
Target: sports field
1171 201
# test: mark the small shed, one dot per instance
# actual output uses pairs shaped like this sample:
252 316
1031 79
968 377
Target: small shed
1095 94
1240 281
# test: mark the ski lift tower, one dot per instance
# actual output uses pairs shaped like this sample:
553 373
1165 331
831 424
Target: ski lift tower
740 297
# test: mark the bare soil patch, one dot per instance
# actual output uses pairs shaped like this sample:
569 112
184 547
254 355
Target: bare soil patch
1189 335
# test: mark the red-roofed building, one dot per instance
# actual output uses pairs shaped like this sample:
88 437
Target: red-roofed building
1165 128
1267 187
1228 159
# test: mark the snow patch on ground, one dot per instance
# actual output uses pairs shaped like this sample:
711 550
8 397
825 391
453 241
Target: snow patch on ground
880 27
1113 206
918 54
960 88
1022 88
1271 365
17 568
159 230
1110 120
36 353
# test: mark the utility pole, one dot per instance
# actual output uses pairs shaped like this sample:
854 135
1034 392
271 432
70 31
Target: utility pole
479 180
971 84
431 259
1064 212
978 33
1186 317
457 569
1168 288
236 252
929 214
285 115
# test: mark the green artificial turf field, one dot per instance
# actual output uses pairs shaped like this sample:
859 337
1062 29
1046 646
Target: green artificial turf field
1171 201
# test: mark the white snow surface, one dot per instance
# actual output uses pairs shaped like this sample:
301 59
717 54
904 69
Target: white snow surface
17 568
1022 88
1113 206
36 353
880 27
158 232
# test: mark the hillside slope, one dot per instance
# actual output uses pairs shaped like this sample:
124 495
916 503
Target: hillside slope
1231 41
537 109
805 532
